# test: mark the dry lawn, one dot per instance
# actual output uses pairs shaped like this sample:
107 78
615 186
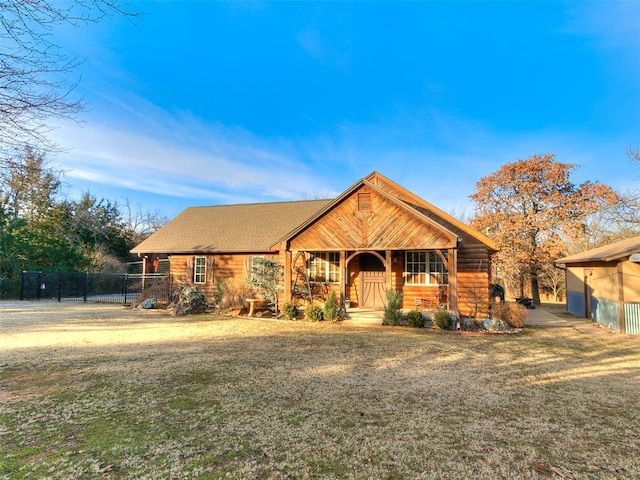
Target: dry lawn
93 391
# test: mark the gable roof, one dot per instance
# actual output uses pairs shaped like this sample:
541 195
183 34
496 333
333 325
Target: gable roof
261 227
432 211
453 237
607 253
229 228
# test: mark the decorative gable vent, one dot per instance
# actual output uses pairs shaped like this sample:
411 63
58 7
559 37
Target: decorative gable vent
364 202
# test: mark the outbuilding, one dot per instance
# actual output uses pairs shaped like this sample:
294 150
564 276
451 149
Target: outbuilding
603 284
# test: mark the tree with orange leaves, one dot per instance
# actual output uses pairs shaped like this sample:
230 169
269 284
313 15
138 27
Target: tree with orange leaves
530 208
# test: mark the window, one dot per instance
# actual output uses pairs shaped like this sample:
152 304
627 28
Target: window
253 265
324 267
200 270
425 268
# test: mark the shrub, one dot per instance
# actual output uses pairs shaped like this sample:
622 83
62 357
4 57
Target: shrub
415 319
219 288
392 310
331 310
512 313
442 319
470 325
191 301
290 311
235 294
313 313
266 278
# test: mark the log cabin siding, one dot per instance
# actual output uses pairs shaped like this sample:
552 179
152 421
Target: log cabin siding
473 294
386 225
227 267
374 217
473 278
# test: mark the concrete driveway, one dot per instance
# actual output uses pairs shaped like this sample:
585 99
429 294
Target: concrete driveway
539 317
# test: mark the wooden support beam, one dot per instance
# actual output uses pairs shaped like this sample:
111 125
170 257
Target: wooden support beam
287 274
388 271
452 267
343 276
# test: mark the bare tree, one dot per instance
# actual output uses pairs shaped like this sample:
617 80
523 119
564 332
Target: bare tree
141 223
552 281
616 221
36 76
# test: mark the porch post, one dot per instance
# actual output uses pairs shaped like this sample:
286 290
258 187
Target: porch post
343 275
145 266
287 272
452 267
387 268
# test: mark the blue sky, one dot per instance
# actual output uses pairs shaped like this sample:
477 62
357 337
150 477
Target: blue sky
202 103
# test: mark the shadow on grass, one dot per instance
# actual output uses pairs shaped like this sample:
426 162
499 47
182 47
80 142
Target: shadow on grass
248 398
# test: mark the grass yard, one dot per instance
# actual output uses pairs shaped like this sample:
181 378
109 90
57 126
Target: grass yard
91 391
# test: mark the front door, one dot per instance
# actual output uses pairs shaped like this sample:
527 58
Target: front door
372 281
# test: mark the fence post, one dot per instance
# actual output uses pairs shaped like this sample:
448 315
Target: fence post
39 286
59 287
86 286
125 284
22 285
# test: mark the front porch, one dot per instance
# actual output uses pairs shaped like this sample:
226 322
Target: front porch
427 278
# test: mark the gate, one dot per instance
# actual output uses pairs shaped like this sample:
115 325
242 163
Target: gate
94 287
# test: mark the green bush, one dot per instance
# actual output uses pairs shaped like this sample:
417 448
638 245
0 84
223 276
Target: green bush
219 288
415 319
313 313
331 309
392 310
290 311
442 319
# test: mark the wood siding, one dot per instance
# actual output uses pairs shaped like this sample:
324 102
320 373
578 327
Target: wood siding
474 259
386 225
473 278
227 267
364 221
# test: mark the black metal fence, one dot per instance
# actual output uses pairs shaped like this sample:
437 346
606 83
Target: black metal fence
94 287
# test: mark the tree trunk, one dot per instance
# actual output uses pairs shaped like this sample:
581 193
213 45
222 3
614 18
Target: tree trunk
535 290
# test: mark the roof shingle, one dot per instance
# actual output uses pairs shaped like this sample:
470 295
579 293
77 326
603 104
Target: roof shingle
251 227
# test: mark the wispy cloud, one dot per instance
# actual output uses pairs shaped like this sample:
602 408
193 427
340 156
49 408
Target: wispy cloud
612 24
150 150
438 156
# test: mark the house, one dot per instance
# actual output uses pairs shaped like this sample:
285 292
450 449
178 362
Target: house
603 284
374 237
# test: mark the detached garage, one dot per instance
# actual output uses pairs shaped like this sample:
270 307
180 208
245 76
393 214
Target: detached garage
603 284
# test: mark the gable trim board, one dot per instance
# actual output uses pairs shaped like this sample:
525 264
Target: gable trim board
386 221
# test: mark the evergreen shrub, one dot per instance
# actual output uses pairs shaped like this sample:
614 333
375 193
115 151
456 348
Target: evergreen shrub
313 313
392 310
415 319
442 320
290 311
331 310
